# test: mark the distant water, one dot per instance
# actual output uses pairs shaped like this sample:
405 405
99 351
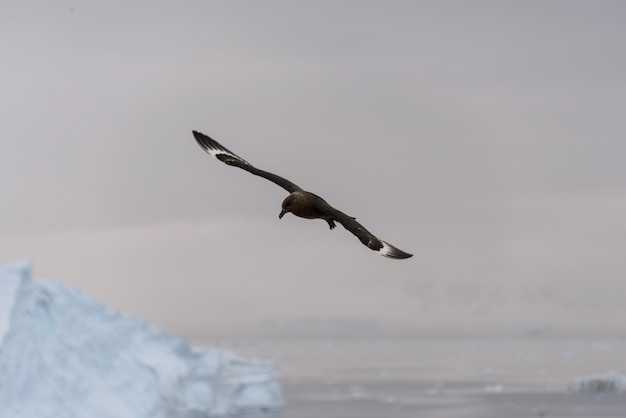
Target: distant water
442 377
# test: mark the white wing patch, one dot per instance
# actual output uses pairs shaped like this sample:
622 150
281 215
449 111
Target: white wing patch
389 250
215 149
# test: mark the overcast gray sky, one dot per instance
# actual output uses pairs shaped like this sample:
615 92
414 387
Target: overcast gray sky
485 137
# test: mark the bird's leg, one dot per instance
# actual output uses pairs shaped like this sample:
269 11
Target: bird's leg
331 223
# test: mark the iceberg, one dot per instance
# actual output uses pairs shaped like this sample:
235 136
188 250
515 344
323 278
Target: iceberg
64 354
609 382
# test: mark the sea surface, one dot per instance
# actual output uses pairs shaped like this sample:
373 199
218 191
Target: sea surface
503 377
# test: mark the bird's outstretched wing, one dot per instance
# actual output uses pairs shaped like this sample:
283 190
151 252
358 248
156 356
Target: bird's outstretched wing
228 157
365 236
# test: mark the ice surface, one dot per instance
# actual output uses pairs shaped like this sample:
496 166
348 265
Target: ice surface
10 279
63 354
609 382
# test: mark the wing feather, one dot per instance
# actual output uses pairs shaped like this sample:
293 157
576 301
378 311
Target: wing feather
226 156
366 237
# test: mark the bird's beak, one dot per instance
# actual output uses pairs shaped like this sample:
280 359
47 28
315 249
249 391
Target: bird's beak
282 213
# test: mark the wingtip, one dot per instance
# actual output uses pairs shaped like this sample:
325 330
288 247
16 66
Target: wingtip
207 143
198 135
217 150
390 251
201 140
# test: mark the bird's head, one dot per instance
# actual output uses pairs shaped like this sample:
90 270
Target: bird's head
286 206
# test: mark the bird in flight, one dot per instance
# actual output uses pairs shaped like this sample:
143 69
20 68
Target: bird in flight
300 202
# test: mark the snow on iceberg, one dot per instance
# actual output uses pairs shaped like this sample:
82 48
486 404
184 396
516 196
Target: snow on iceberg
609 382
63 354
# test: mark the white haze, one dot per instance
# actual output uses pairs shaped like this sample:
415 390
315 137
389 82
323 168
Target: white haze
484 137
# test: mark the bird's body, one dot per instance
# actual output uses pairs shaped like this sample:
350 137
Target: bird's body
308 205
300 202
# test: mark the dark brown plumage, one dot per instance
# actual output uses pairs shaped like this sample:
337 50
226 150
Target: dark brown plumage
302 203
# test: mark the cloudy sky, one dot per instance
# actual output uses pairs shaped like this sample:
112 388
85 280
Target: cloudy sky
485 137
